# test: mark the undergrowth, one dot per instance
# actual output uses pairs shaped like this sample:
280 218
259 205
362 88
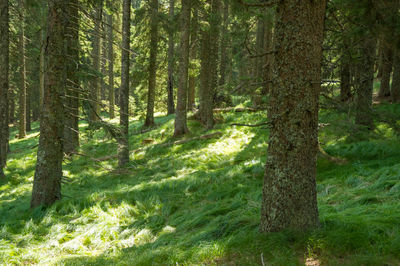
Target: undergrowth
199 202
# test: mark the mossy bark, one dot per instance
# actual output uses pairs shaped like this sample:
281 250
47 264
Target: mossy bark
47 180
289 191
181 108
123 140
4 83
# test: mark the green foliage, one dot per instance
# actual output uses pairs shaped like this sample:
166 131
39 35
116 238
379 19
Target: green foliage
199 202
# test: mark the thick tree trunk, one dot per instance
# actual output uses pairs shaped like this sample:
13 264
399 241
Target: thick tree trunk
111 96
395 90
193 55
181 108
152 64
171 44
289 192
47 180
4 65
123 141
71 131
387 65
95 92
22 71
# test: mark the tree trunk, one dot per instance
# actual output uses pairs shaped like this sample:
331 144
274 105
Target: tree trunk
41 67
111 96
22 71
387 65
224 44
95 92
47 180
215 20
193 55
152 64
171 44
395 91
205 113
365 83
181 113
71 131
4 87
289 192
345 91
103 59
123 141
269 58
11 96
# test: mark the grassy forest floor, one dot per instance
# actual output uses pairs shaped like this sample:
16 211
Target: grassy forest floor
199 202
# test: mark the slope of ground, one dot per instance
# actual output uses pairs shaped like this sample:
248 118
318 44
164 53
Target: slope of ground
199 202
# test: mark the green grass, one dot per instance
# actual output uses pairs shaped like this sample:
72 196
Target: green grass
199 203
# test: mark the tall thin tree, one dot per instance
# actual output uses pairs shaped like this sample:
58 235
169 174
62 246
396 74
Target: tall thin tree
22 71
71 131
111 96
181 108
123 140
153 63
171 46
4 65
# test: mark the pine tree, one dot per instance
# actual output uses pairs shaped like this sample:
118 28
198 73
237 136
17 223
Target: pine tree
181 108
289 192
4 85
47 180
123 141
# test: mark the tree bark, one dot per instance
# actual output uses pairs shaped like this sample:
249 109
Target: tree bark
71 131
153 63
4 83
111 96
171 44
395 90
289 192
364 73
224 44
193 55
387 65
123 141
345 91
181 108
215 21
95 92
47 180
22 71
205 113
41 67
